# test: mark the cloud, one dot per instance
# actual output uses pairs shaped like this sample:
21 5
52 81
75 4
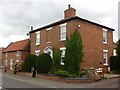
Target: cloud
18 15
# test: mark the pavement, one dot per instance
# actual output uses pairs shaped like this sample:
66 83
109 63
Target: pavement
109 76
17 81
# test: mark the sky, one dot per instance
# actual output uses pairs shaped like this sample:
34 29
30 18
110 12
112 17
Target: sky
16 16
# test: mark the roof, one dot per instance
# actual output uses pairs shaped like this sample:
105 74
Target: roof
18 45
69 19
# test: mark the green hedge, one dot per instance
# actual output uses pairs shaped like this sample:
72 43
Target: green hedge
29 62
43 63
114 63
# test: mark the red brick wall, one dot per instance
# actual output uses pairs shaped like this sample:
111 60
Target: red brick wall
12 56
92 37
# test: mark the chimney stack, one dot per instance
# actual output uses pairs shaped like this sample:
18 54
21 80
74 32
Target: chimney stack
31 28
70 12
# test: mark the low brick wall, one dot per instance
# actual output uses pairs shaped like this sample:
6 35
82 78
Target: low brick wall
76 81
57 78
49 77
24 74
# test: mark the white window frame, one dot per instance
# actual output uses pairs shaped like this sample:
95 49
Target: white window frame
104 35
114 52
37 41
62 56
105 56
63 31
17 53
37 52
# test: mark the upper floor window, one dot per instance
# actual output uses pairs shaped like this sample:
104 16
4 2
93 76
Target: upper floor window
38 38
18 53
105 36
63 31
62 56
105 57
37 52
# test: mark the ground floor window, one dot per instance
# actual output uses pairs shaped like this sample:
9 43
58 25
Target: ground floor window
62 56
105 57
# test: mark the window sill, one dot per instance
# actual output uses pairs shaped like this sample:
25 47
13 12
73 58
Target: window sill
106 65
63 40
48 42
105 43
37 44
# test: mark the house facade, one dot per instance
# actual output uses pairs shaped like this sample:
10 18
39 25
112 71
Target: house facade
1 50
15 52
97 39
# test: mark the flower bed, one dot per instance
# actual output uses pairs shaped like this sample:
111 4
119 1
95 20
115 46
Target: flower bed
57 78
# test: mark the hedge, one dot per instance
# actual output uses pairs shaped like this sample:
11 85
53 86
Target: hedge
114 63
43 63
29 62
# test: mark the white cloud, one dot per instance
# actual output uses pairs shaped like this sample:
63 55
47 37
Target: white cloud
17 15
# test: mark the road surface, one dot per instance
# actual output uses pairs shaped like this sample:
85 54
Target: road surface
17 81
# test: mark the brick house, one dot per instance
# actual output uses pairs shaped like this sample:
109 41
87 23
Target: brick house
1 50
97 39
15 52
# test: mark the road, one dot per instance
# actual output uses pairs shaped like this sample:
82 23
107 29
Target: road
16 81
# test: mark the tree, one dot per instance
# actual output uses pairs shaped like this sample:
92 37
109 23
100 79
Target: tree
118 48
57 58
29 62
73 54
118 52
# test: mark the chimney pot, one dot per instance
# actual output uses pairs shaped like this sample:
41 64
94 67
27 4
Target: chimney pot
69 6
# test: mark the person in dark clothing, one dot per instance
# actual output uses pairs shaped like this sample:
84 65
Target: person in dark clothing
15 69
33 72
5 70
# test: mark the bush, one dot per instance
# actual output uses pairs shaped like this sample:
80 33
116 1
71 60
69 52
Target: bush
43 63
61 73
29 62
114 63
80 74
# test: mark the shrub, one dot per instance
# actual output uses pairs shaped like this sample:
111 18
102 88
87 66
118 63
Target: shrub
114 63
118 53
29 62
73 54
80 74
43 63
61 73
57 58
